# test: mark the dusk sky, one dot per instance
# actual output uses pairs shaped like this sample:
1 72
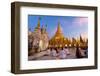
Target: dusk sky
72 26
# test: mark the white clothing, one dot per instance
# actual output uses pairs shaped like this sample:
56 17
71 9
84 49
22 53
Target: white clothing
48 52
62 54
67 51
53 53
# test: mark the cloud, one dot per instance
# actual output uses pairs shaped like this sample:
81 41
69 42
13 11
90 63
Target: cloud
81 21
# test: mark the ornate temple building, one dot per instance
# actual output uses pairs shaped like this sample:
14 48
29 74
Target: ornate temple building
58 40
38 40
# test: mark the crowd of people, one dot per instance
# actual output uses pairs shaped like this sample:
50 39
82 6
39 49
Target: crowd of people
63 53
59 53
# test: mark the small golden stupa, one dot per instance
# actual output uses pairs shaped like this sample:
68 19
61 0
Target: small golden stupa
58 40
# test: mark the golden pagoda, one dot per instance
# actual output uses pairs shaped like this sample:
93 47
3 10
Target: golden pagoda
38 25
58 40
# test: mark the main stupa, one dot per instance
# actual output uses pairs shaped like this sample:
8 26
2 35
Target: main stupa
58 40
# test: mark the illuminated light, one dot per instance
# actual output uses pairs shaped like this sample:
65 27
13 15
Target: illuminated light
74 44
69 44
60 45
66 45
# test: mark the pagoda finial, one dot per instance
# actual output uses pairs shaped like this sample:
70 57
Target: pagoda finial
58 28
39 22
38 25
58 23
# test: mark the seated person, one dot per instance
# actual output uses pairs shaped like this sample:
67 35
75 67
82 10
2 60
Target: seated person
53 52
67 51
62 54
48 51
79 53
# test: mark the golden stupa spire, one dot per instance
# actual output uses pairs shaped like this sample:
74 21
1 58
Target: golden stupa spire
38 24
59 29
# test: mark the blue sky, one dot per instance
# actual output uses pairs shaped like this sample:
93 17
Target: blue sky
72 26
